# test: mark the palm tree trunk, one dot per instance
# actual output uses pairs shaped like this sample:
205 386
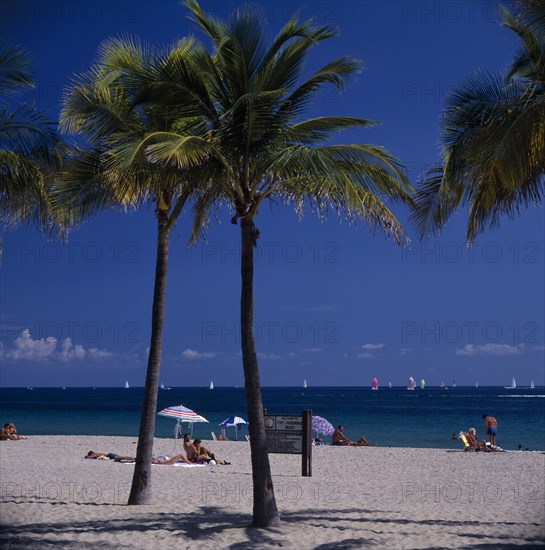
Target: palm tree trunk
141 481
265 513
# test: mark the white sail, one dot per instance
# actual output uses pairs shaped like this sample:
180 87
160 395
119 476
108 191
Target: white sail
389 384
477 384
305 385
442 384
162 386
127 384
532 385
211 385
513 385
410 384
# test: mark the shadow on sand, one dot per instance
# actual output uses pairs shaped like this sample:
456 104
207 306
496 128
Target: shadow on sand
208 525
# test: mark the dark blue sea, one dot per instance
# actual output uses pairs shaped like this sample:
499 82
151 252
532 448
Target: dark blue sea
392 417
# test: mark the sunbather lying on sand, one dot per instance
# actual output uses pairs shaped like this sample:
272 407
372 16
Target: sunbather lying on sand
165 460
120 458
110 456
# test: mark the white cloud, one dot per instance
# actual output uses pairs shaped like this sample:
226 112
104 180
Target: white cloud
372 346
488 349
44 349
365 355
404 351
269 356
192 354
312 350
27 348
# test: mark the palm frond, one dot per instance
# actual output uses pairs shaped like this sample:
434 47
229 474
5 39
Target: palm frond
15 69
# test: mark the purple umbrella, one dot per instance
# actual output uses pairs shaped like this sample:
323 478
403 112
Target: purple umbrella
322 426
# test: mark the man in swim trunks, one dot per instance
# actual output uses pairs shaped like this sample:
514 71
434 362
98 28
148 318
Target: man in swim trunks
490 427
338 438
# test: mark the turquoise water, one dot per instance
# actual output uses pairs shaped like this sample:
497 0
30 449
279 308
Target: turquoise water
394 417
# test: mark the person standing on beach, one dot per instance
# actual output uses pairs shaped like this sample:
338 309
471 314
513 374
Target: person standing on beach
490 427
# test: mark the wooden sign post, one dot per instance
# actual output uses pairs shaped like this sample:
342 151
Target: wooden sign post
291 435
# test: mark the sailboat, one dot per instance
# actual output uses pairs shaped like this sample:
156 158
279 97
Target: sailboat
513 385
305 385
410 384
374 383
454 383
211 385
127 384
477 384
442 384
390 385
163 387
531 385
422 384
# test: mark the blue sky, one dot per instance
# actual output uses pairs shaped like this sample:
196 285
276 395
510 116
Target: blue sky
333 303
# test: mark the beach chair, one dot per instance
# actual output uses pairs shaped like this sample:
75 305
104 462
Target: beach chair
471 444
213 434
463 437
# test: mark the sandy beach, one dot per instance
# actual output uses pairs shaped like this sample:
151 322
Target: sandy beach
357 497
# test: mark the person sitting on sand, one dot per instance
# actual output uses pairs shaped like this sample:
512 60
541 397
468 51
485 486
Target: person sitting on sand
187 442
338 438
9 431
474 443
199 453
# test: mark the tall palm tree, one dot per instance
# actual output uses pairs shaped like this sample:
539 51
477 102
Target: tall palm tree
493 138
251 105
107 106
30 147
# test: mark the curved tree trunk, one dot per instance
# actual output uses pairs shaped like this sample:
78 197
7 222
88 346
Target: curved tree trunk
265 513
141 481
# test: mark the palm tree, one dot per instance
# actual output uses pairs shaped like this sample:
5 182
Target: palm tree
30 148
493 138
251 106
107 106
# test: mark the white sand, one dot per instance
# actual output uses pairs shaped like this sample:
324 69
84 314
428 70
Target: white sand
390 497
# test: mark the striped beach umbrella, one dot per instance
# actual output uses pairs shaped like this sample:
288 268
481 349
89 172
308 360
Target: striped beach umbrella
181 414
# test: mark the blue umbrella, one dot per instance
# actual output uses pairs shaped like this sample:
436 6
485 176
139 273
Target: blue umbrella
235 421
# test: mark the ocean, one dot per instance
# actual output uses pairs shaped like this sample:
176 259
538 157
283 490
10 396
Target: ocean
387 417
